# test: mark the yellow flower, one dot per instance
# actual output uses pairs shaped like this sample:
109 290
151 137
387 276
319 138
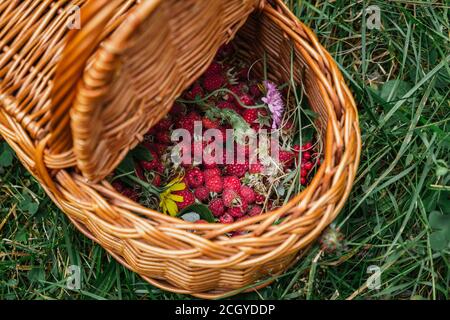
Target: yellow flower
168 201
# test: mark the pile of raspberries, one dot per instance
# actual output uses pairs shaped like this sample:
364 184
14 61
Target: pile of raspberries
221 187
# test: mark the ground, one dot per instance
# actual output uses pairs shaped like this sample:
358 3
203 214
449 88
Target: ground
396 221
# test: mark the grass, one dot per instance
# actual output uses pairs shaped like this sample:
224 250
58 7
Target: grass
400 76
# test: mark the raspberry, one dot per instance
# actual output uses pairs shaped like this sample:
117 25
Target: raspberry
214 184
151 165
255 168
303 181
238 170
188 198
232 182
250 115
195 178
247 194
230 197
201 193
195 92
209 173
308 165
303 172
226 219
286 158
254 211
210 124
214 68
236 212
188 122
217 207
213 82
306 155
260 198
201 221
296 148
246 100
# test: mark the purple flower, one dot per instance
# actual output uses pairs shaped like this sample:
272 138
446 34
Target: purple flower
275 103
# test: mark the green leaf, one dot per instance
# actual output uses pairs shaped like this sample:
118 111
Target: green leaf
439 241
201 209
28 204
127 164
141 153
439 221
6 155
394 90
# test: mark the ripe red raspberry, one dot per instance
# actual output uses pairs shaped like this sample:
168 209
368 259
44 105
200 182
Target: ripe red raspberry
230 197
308 165
254 211
226 219
238 170
195 178
210 124
201 193
306 155
286 158
213 172
236 212
247 194
189 121
246 100
307 146
217 207
214 68
195 92
188 198
250 115
139 172
260 198
232 182
201 221
255 168
303 172
154 164
303 181
213 82
214 184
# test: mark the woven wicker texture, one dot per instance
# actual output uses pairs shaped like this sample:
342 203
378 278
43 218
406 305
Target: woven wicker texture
196 259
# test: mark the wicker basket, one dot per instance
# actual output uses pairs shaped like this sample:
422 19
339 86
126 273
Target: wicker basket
73 103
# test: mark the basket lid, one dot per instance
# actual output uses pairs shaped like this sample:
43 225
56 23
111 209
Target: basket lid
136 74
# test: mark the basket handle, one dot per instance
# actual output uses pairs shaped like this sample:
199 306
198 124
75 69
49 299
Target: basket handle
81 43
